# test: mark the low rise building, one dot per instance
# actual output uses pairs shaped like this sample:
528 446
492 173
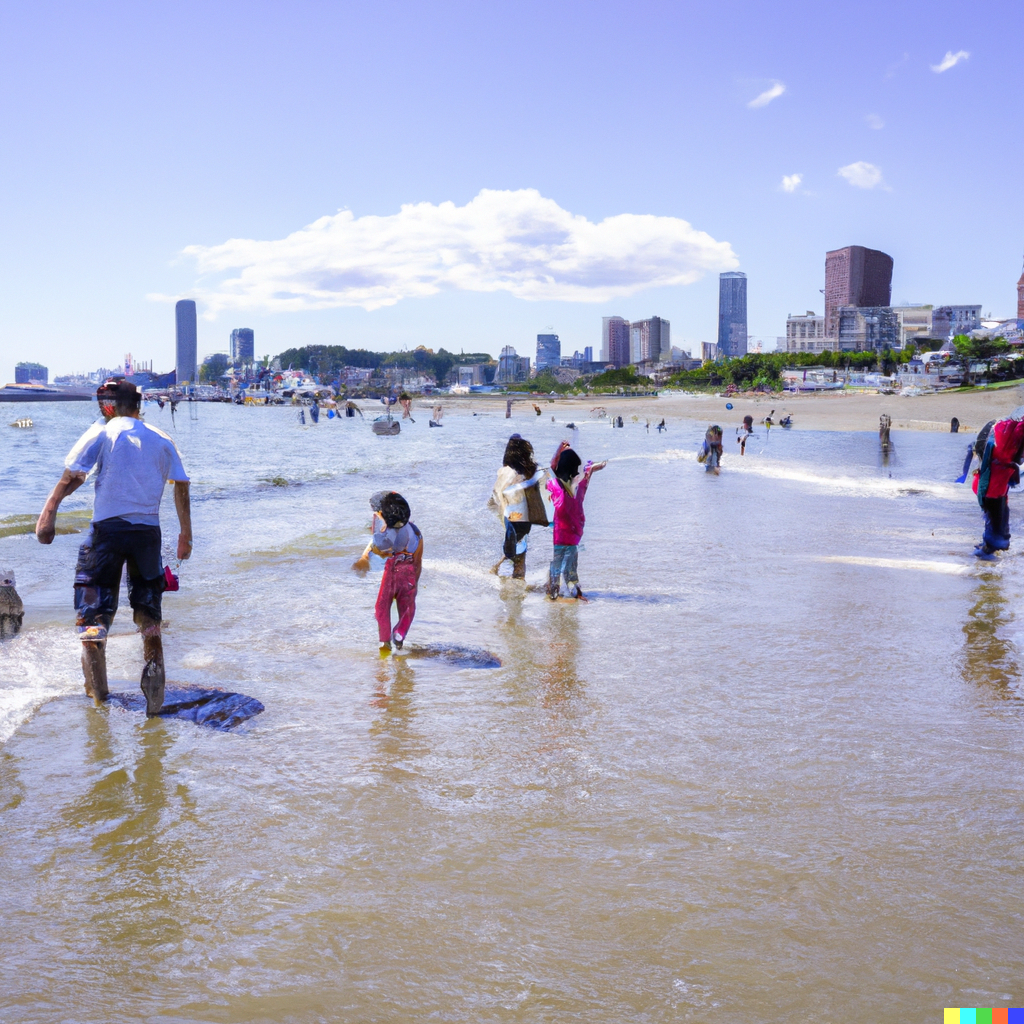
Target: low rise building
868 328
915 323
949 321
805 332
31 373
512 368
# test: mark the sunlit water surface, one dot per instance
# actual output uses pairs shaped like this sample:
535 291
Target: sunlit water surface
772 772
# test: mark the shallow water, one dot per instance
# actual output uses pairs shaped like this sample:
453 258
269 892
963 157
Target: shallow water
772 772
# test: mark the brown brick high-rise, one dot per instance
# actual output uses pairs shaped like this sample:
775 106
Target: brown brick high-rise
855 276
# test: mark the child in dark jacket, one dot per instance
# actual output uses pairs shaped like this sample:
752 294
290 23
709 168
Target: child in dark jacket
568 490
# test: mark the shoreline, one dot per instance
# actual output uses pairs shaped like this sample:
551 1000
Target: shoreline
825 411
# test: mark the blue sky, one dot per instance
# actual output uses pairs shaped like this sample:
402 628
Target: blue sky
132 133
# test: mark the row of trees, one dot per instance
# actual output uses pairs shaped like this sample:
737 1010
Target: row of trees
327 361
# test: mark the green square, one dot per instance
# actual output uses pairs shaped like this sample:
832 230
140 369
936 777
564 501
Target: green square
983 1015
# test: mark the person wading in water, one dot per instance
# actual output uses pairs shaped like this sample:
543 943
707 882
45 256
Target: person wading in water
133 462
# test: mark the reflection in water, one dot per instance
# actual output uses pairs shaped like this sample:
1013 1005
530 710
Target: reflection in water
397 744
989 659
138 837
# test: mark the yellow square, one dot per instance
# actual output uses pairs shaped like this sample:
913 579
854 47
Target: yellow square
951 1015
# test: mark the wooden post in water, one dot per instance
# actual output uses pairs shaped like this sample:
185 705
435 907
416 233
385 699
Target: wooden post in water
884 423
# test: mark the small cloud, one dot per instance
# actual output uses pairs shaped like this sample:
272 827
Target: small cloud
862 175
791 182
950 61
874 121
774 92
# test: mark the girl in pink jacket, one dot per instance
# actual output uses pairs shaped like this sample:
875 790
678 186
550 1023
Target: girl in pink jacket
568 490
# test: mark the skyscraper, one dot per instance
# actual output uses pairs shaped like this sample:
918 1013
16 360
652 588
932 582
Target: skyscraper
650 340
549 352
855 276
185 340
243 346
1020 298
732 315
615 340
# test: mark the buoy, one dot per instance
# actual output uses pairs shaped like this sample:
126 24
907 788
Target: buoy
728 405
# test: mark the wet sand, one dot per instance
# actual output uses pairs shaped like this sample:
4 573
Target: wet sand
847 411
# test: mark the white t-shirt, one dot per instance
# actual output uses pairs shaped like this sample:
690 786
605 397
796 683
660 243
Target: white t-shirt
133 462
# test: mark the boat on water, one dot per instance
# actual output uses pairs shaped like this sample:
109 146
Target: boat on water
43 393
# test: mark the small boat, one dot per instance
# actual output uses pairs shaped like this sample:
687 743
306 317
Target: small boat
23 422
386 426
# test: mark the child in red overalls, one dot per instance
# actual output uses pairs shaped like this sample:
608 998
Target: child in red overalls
400 543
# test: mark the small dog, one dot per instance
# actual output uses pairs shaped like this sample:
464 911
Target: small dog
12 611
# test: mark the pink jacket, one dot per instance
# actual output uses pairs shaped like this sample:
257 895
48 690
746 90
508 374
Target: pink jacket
569 517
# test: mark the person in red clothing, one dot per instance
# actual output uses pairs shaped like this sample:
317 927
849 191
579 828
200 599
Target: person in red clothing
568 490
999 471
399 542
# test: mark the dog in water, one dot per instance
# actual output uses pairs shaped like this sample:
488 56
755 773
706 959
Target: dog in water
12 611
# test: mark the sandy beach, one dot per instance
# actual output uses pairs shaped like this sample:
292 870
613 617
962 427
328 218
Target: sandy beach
843 411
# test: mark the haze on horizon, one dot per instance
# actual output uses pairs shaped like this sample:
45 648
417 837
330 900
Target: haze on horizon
466 176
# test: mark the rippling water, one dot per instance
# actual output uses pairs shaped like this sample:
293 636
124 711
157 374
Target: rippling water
772 772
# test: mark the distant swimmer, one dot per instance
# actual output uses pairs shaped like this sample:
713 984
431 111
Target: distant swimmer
768 421
314 411
745 432
567 490
405 401
537 409
786 421
351 409
661 425
133 461
710 451
436 419
12 611
1001 456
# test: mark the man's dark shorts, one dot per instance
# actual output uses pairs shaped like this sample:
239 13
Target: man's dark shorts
108 545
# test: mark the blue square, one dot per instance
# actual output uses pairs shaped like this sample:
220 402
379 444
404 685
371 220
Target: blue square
1015 1015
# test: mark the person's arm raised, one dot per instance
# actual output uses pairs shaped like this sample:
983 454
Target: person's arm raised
183 506
46 524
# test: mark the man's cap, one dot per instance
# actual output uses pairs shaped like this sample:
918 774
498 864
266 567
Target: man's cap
117 389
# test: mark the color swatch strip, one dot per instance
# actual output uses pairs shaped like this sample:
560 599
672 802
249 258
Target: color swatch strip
983 1015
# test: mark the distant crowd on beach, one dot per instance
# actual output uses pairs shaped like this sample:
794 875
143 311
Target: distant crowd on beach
133 461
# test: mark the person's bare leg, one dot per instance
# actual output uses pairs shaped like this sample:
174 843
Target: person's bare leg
94 668
153 678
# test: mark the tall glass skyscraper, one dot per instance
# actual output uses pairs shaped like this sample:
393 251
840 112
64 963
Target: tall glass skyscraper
732 315
549 351
185 340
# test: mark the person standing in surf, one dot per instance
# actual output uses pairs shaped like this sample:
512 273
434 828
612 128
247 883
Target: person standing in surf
710 452
999 471
133 462
568 490
518 467
400 543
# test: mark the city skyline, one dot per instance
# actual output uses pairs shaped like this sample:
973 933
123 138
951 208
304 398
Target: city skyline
352 166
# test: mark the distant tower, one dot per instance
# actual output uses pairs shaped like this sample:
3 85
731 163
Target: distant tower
549 351
855 276
243 345
732 315
185 340
1020 298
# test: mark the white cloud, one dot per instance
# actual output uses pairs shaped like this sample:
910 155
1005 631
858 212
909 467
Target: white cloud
874 121
950 61
776 90
791 182
862 175
517 242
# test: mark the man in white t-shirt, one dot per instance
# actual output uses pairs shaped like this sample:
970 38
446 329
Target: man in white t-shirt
133 461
